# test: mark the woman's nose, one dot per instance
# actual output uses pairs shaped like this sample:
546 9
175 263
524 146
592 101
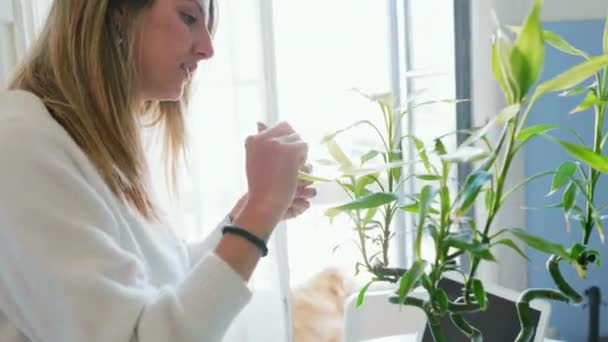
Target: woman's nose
203 45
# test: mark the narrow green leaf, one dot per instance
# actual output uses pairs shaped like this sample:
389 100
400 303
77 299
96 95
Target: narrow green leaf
562 176
589 101
489 199
502 51
577 90
362 183
593 159
441 299
561 44
410 278
366 202
473 185
528 53
465 154
462 242
338 154
415 208
440 147
312 178
573 76
509 113
540 244
600 229
569 197
479 293
556 41
426 197
428 177
509 243
368 156
533 131
361 295
498 69
331 136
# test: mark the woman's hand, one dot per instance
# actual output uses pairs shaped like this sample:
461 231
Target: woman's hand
274 157
298 206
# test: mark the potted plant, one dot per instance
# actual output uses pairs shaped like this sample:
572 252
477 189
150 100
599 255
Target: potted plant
440 206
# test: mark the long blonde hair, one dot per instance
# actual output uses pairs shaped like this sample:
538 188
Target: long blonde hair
85 72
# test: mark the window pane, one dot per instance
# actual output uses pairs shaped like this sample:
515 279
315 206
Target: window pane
323 49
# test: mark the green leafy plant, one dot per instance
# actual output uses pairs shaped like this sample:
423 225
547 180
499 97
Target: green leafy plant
441 207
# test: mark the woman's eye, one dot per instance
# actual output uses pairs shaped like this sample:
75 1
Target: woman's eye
189 19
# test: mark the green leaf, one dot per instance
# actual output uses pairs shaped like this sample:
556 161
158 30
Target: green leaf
593 159
502 49
411 278
415 208
366 202
462 242
533 131
428 177
361 295
331 136
480 293
497 70
561 44
312 178
576 250
441 299
440 147
557 42
572 76
363 182
473 185
577 90
465 154
509 113
590 100
562 176
600 229
368 156
569 197
489 199
528 53
338 154
540 244
509 243
426 197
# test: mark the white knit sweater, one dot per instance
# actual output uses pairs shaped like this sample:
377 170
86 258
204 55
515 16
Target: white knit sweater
77 265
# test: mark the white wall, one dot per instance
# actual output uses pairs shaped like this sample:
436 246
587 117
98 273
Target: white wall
487 101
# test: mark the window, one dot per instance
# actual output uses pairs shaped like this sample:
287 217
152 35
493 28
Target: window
322 50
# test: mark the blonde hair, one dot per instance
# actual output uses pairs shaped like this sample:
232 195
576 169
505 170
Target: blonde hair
85 72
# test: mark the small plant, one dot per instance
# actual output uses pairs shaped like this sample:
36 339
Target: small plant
441 206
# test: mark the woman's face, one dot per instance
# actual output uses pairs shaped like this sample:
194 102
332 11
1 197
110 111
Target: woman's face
174 39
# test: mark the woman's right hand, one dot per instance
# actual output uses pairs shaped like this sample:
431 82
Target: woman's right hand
273 158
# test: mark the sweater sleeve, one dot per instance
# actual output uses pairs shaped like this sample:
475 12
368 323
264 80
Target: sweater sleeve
196 250
64 277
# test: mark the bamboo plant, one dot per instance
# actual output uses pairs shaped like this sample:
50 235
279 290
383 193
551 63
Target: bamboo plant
443 214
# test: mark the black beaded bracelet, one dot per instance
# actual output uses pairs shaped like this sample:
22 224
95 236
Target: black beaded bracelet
259 243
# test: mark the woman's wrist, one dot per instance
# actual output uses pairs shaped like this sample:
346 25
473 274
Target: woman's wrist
257 220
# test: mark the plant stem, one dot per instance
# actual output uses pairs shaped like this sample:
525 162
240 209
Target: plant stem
467 329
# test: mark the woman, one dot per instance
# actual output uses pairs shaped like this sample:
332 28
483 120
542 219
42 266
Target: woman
85 254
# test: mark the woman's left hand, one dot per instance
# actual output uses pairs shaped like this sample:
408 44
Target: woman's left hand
299 204
301 199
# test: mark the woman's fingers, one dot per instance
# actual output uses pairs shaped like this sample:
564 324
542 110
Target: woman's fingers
297 207
305 193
